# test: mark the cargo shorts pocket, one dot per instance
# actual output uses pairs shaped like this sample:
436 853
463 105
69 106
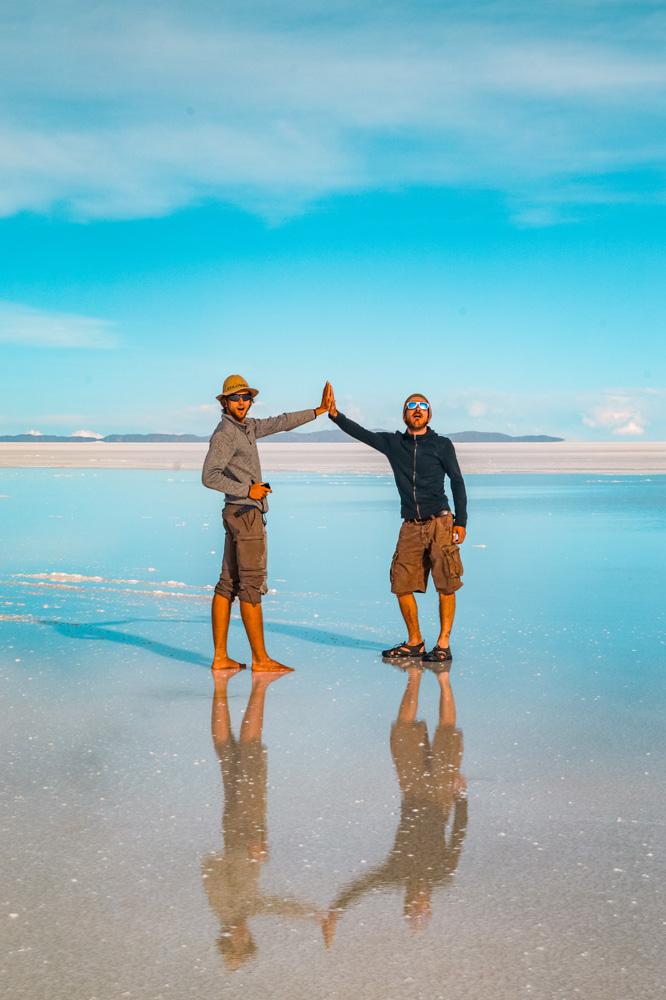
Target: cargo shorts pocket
452 561
392 570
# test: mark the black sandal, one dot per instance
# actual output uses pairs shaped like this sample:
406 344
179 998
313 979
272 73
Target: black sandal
403 650
438 654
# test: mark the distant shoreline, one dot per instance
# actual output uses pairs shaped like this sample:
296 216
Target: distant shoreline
605 458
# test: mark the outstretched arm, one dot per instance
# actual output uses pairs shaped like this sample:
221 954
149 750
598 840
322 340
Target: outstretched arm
288 421
375 439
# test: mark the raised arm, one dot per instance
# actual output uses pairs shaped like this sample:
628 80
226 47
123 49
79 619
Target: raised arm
375 439
288 421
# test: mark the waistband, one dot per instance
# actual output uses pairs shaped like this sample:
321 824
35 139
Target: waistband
424 520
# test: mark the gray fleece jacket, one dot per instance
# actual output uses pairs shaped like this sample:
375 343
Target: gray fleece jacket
232 463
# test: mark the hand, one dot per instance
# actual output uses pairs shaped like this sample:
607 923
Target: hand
326 399
258 491
458 534
333 410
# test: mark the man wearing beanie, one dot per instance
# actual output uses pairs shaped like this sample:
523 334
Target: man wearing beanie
232 467
430 533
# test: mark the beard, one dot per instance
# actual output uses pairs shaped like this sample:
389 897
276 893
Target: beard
417 424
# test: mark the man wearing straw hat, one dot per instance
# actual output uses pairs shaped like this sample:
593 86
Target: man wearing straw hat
232 467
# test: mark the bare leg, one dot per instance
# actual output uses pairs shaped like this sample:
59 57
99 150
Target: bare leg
253 620
409 612
447 610
221 616
253 720
410 699
447 706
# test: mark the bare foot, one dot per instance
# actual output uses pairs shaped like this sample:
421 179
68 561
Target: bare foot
270 666
226 663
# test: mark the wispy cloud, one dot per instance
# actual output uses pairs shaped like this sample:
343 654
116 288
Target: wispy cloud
591 414
137 114
19 324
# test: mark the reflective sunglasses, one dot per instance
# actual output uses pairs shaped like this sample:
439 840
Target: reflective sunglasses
410 406
245 396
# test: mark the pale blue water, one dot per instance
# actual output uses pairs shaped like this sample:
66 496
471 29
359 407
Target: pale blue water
112 796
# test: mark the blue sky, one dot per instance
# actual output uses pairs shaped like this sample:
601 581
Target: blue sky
462 199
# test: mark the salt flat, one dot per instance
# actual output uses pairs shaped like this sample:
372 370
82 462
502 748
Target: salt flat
606 458
513 854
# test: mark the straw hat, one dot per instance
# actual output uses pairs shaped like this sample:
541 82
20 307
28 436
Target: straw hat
235 383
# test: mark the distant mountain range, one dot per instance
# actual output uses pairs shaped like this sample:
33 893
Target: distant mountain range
292 437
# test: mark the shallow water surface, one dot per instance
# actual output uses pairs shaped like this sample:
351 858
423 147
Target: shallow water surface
351 830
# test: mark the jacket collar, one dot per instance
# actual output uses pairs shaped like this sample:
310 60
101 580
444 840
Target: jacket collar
242 427
412 437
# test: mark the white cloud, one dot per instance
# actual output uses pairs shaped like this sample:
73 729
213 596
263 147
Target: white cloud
36 433
19 324
87 434
137 113
619 411
477 409
631 428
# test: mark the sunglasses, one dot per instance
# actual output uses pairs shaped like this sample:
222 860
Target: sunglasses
245 396
413 405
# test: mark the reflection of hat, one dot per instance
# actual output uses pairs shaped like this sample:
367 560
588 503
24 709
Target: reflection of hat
235 383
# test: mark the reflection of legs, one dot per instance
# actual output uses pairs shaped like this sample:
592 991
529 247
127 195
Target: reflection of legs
410 700
447 706
221 616
253 720
409 612
220 722
253 621
447 610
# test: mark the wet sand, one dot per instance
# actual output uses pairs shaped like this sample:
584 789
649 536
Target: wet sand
609 458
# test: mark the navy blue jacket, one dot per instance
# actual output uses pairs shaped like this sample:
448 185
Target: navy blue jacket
419 463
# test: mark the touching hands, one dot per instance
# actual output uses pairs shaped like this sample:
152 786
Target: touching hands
259 490
326 399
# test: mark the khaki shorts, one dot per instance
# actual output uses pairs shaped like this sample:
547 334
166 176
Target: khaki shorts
422 549
244 561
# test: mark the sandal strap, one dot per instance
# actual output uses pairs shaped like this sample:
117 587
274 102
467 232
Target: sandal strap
400 646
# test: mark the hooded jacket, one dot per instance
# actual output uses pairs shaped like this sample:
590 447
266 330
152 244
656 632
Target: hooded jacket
419 462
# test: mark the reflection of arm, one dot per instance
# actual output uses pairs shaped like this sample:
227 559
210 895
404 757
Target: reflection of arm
376 878
458 831
220 452
285 422
376 439
284 907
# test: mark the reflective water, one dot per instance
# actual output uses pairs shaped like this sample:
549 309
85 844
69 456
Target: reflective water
331 834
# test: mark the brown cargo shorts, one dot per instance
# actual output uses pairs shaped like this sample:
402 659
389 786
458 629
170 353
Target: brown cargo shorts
423 549
244 563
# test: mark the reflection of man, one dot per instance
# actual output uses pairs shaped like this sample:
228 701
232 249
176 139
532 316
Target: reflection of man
231 877
430 535
232 467
429 839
